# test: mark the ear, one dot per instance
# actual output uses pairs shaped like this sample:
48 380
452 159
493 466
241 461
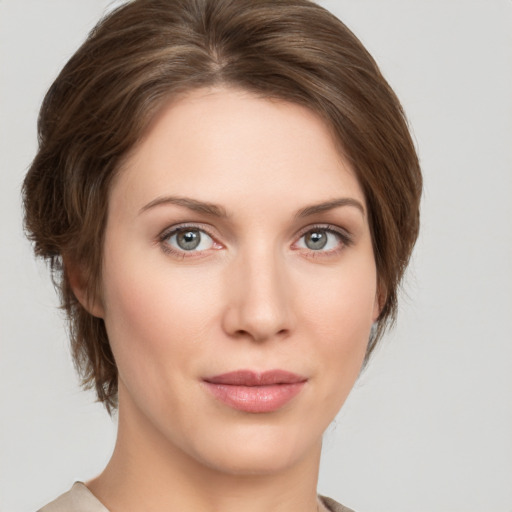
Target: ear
78 281
376 308
380 300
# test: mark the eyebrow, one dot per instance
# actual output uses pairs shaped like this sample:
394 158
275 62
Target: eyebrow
218 211
330 205
186 202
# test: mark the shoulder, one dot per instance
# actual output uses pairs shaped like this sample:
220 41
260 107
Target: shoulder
80 499
333 506
77 499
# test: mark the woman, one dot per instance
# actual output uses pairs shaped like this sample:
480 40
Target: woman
228 196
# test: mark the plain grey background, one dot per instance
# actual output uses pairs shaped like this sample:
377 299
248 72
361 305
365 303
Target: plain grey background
428 426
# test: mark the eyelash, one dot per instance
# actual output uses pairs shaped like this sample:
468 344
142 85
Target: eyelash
344 237
174 230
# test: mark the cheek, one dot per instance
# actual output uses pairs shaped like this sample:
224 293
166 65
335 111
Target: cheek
343 301
339 316
150 315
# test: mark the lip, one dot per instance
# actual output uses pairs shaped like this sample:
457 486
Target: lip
255 392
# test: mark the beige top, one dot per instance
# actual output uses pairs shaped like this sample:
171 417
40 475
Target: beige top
80 499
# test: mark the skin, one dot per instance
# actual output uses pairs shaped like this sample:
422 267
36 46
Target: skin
254 296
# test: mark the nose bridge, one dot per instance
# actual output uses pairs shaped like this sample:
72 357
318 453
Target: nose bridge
259 298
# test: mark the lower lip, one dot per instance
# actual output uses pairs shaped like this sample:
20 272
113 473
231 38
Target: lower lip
255 399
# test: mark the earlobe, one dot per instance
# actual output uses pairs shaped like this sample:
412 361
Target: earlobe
78 281
378 304
376 308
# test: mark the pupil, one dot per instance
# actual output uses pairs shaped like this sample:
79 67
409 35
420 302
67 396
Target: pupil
188 240
316 240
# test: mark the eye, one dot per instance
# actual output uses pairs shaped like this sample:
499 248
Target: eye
188 239
322 239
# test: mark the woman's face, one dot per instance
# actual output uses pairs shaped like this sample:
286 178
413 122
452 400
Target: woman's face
239 283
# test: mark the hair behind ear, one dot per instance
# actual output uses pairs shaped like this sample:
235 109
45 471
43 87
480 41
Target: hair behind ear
79 285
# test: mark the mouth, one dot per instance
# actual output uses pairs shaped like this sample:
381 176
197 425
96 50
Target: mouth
255 392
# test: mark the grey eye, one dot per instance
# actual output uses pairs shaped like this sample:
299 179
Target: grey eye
315 240
320 239
190 239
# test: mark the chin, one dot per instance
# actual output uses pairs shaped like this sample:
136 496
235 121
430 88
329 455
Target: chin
262 450
252 462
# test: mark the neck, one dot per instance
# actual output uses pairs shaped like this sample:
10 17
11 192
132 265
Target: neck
147 472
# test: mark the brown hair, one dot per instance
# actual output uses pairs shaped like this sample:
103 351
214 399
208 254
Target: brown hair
147 51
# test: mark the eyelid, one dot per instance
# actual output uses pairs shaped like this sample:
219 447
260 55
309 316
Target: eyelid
170 230
345 236
175 228
326 227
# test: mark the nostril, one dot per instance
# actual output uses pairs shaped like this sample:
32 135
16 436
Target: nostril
260 334
259 310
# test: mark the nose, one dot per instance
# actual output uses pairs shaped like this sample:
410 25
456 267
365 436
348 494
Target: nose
259 298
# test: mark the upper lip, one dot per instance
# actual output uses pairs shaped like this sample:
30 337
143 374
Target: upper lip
253 378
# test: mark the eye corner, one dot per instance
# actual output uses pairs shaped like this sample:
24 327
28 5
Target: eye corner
187 241
328 240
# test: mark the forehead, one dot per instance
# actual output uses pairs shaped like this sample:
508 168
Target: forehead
223 144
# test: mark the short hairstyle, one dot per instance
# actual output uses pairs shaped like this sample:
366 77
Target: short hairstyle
148 51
